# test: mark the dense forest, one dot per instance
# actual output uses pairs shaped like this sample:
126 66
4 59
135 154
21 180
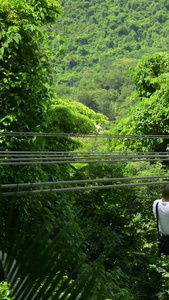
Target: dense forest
103 40
64 77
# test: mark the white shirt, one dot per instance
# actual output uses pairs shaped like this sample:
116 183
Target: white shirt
163 213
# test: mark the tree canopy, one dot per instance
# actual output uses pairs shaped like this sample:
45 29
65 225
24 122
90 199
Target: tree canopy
103 40
25 70
84 244
149 115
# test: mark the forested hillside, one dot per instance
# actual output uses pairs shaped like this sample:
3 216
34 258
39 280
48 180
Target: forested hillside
103 40
76 219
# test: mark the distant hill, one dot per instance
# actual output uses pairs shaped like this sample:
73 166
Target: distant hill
104 39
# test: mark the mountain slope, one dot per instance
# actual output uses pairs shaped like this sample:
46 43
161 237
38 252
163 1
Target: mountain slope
104 39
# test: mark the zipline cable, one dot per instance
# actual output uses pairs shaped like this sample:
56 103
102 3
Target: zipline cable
73 162
81 157
20 193
73 152
17 185
49 134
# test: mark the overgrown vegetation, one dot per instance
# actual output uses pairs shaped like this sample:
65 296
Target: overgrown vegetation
103 40
97 244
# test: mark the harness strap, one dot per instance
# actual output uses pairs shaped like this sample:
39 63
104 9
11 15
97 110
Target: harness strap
157 218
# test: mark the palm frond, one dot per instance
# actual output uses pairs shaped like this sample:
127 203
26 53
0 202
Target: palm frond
36 264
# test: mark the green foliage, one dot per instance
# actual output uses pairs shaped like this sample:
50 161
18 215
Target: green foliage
103 41
25 70
151 72
122 221
95 245
4 291
40 259
79 118
149 115
43 260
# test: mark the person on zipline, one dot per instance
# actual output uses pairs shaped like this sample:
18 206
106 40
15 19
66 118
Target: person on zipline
163 210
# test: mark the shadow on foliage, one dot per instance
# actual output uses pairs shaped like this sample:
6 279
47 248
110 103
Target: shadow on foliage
36 264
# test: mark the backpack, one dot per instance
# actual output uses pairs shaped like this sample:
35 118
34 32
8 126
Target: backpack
163 240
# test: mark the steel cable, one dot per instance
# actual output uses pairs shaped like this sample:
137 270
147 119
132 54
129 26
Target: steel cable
81 157
49 134
21 193
74 162
74 152
70 157
17 185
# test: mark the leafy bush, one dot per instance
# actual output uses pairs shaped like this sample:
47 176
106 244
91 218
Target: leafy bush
4 291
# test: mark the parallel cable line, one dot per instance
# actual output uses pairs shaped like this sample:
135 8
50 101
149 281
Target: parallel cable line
40 158
49 134
81 157
56 157
17 185
75 152
88 154
84 154
20 193
73 162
